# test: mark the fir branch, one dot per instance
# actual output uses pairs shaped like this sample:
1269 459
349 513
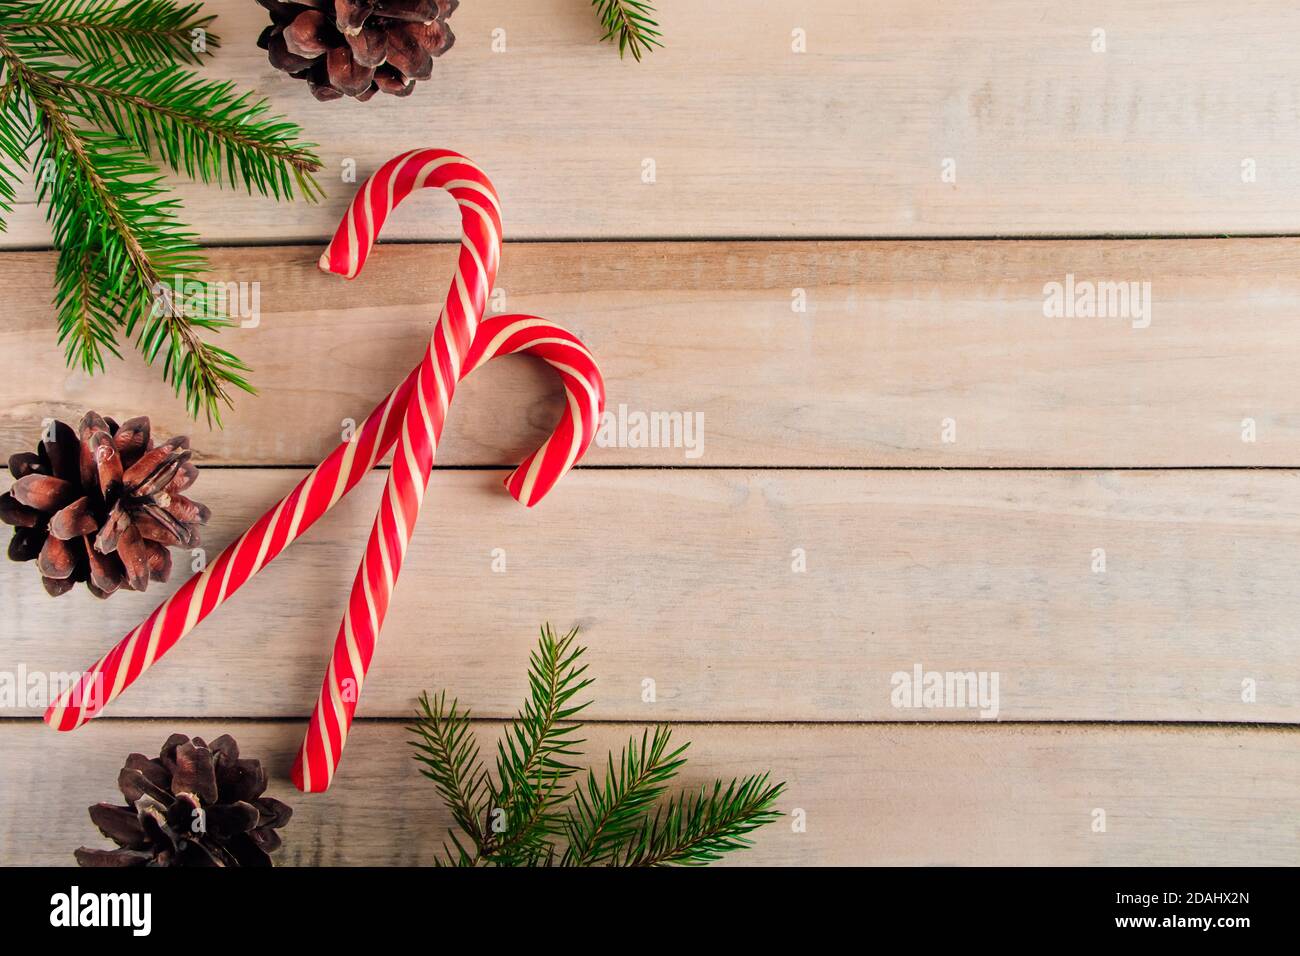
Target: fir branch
698 829
17 132
603 817
531 755
105 206
121 244
139 31
450 755
85 325
119 254
202 128
605 823
632 22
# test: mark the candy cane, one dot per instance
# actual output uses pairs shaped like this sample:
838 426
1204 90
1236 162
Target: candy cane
423 419
282 524
426 413
295 513
385 426
354 647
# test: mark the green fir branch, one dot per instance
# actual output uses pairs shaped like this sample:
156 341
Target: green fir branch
450 755
99 125
611 822
603 816
532 755
204 129
86 327
699 828
121 254
631 23
137 31
17 132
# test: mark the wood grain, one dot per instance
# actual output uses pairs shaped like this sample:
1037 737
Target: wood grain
681 574
872 794
847 139
897 337
686 579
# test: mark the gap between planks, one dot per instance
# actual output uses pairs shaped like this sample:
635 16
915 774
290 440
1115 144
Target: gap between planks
495 719
739 240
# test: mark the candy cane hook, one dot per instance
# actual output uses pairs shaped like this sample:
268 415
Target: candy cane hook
411 418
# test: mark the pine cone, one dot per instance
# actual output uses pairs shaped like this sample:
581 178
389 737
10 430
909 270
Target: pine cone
357 47
102 505
193 805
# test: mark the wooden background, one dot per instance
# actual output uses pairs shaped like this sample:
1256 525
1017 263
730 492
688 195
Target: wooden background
775 171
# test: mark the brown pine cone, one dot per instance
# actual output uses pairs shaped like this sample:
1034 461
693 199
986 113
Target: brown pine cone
357 47
102 505
193 805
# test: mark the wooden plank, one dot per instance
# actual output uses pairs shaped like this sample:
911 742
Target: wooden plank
898 337
952 795
686 579
847 139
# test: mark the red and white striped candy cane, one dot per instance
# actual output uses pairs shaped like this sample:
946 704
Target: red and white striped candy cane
322 489
423 418
279 527
387 424
354 647
329 481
